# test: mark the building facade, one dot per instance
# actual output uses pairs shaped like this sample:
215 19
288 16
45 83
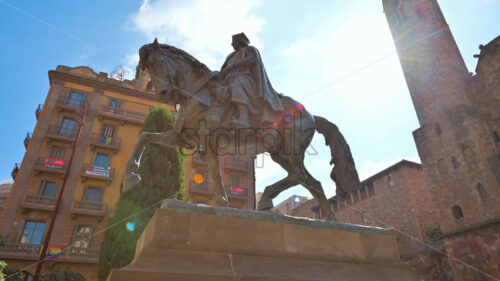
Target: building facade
289 204
458 140
111 114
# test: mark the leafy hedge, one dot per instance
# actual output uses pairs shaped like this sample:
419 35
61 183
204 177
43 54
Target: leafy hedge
162 174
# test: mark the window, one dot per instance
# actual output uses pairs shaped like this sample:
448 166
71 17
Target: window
468 154
115 103
48 188
457 212
75 99
234 180
335 205
32 232
355 196
58 152
441 166
363 217
438 129
82 236
482 192
371 189
107 134
455 163
93 194
102 160
390 182
362 192
496 137
67 127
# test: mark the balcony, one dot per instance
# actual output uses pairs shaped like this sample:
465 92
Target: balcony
38 110
107 143
61 134
15 170
91 171
21 251
70 105
236 164
203 188
236 192
81 255
32 252
88 208
27 140
3 201
197 159
50 165
38 202
121 115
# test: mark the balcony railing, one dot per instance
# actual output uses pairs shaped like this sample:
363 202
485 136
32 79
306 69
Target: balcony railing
39 202
32 251
51 165
237 192
21 250
104 142
61 134
38 110
197 159
15 170
83 255
237 164
203 188
27 140
91 171
122 115
3 201
81 207
73 105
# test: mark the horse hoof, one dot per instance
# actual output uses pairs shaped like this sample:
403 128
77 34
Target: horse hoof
265 205
130 181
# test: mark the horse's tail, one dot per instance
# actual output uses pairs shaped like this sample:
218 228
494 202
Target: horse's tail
344 172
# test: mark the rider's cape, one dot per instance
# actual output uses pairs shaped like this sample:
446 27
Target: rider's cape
250 84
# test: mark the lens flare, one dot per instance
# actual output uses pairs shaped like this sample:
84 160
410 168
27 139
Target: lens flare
131 226
198 178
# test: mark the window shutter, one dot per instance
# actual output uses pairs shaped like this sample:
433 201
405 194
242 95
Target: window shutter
19 230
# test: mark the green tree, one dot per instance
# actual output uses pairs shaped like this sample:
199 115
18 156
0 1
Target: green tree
162 175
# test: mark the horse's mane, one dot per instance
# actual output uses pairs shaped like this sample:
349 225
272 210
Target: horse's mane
173 50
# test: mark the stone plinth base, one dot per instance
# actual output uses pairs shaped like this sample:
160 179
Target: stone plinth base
187 242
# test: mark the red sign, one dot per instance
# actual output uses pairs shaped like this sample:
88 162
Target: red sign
54 162
237 190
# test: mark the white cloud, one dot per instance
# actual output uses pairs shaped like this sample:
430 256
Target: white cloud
202 28
4 181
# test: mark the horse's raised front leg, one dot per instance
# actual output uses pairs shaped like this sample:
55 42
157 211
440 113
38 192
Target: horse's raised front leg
131 178
215 174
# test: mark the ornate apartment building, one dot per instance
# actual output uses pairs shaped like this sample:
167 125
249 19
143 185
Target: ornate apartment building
103 117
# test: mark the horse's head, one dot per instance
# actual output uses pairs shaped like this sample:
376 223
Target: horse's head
161 69
170 68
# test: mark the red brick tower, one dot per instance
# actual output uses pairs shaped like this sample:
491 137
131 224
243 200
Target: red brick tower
458 136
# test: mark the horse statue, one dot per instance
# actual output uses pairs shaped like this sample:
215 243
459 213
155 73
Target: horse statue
180 79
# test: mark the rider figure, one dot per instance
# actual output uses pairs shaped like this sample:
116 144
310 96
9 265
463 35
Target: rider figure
252 93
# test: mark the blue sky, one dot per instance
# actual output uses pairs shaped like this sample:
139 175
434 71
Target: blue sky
336 57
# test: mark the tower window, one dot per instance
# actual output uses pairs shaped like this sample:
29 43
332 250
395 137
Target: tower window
390 182
496 137
482 192
455 163
457 212
438 129
468 154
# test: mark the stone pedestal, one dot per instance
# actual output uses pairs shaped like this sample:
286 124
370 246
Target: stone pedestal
187 242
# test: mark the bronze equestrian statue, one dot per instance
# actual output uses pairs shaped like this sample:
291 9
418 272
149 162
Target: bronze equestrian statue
237 112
